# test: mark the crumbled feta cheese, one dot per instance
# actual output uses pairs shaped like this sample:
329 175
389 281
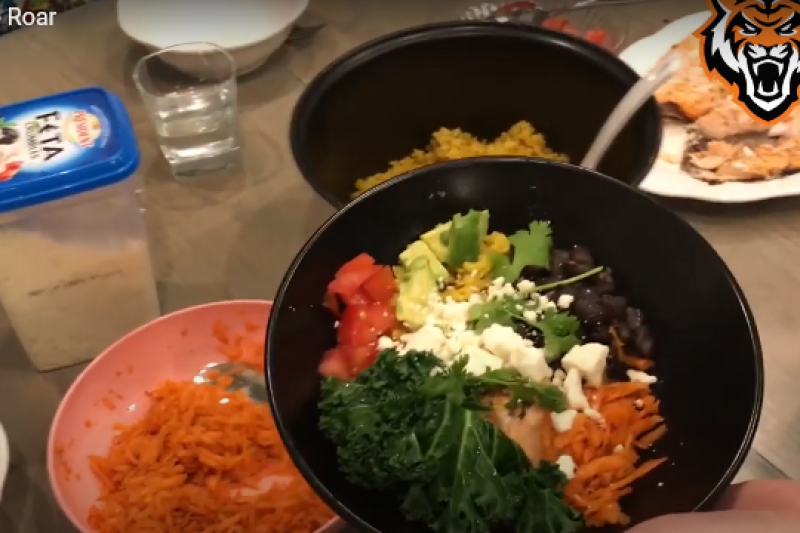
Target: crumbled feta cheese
526 286
638 403
530 316
619 448
480 361
385 343
573 390
564 420
457 343
641 377
589 361
566 465
502 341
428 338
565 300
531 363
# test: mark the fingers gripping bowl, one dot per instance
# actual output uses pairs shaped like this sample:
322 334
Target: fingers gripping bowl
644 277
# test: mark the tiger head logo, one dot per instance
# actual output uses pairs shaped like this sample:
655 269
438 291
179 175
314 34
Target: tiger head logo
753 47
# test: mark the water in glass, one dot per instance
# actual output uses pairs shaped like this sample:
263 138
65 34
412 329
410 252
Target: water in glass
197 128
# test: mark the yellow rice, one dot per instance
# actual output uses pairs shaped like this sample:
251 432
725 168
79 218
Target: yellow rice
446 145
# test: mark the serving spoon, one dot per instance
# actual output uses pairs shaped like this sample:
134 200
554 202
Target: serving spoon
242 378
634 99
531 13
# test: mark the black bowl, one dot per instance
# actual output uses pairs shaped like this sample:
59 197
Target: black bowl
380 101
707 353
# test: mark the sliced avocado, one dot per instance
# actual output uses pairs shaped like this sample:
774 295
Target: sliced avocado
465 237
418 249
417 283
436 239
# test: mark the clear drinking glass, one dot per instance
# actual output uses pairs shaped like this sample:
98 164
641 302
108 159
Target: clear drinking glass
190 91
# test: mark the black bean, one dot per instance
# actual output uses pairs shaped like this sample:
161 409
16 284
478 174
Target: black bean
604 281
633 318
599 333
536 274
624 332
643 340
614 305
557 260
580 254
575 268
529 332
589 310
586 292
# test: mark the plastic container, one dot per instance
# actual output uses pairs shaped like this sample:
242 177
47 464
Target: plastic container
75 271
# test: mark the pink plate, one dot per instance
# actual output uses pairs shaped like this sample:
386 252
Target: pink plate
111 390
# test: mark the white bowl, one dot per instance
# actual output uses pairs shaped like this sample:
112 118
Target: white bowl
250 30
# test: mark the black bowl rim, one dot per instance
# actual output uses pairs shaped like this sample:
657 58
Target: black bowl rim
355 57
345 512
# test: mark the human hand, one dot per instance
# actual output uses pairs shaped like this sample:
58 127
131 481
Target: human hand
760 506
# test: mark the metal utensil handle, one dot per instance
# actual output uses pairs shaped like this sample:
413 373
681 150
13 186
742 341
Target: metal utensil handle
669 65
595 4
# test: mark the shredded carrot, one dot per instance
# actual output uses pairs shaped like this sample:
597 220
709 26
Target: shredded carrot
606 452
246 348
638 363
194 464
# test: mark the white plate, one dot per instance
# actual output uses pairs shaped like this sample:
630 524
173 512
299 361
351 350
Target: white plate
667 179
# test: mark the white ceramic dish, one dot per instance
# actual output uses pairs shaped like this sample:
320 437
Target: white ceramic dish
5 459
666 178
250 30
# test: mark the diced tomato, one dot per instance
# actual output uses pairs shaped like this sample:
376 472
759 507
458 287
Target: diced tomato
331 303
334 365
381 287
363 324
347 283
382 317
357 298
360 357
598 37
556 23
359 262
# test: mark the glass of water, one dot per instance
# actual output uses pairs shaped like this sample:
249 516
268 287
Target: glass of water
190 91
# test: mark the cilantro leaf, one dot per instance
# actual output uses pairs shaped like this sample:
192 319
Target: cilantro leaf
531 247
503 311
524 392
559 331
569 281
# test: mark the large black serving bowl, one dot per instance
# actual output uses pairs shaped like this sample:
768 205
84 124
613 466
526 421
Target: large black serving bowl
707 350
380 101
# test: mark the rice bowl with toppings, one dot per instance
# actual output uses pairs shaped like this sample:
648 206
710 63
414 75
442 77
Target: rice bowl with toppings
490 341
511 344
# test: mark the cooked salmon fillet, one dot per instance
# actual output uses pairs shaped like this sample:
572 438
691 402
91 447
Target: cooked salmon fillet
725 144
522 428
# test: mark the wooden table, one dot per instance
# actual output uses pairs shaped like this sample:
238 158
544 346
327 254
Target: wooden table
233 239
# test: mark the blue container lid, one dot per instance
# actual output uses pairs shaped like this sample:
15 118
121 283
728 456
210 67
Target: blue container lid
63 145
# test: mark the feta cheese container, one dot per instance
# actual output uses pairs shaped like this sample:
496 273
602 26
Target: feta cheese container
75 270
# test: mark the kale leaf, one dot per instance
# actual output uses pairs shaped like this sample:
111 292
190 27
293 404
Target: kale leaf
413 427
